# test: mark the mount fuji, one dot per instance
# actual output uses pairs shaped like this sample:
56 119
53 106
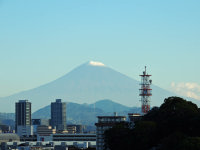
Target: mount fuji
88 83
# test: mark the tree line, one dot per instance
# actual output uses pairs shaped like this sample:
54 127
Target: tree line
175 125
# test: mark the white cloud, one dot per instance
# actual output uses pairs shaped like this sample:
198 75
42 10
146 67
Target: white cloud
188 89
95 63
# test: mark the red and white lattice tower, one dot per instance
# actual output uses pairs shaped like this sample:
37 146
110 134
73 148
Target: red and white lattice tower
145 91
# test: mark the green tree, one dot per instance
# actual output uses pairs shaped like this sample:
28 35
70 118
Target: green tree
175 114
144 135
119 137
174 125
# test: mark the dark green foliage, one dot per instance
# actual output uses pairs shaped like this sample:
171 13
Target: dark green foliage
143 133
178 141
173 126
191 143
175 114
172 142
121 133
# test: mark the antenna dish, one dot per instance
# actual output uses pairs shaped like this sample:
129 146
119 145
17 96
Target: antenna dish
150 81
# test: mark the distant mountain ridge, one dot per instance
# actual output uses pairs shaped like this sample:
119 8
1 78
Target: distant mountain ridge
86 84
87 113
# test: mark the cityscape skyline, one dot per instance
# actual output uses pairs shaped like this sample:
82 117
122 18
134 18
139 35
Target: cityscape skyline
41 45
117 74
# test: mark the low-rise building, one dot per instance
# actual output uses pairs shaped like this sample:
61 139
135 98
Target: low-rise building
133 117
25 130
74 137
105 123
8 137
48 145
71 129
38 122
45 133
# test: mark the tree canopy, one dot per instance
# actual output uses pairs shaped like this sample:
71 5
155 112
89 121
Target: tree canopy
174 125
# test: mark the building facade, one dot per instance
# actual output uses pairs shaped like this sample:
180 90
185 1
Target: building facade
23 118
58 115
105 123
38 122
133 117
45 133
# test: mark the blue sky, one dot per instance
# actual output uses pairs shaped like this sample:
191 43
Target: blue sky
42 40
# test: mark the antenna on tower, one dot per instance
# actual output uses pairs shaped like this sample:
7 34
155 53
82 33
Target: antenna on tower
145 91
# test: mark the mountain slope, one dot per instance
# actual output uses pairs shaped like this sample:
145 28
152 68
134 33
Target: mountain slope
76 113
86 84
110 106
